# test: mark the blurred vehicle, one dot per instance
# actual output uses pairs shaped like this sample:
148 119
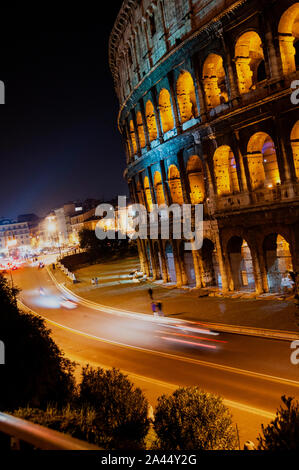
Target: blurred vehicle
69 304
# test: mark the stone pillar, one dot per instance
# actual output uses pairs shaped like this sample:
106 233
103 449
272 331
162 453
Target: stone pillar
221 260
150 178
259 289
286 44
157 115
136 133
145 258
184 179
153 259
146 132
172 88
141 256
239 158
163 262
274 59
177 263
197 268
165 184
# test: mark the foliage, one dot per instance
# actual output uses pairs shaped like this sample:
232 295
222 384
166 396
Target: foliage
191 419
109 247
283 432
121 409
78 423
35 370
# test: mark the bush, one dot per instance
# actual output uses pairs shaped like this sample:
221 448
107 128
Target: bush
78 423
191 419
121 409
283 432
36 371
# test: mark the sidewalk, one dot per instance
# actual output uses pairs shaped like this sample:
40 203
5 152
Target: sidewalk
116 289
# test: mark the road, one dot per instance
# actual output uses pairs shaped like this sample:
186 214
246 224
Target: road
250 373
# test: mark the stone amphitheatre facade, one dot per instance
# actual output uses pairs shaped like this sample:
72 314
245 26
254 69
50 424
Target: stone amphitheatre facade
207 118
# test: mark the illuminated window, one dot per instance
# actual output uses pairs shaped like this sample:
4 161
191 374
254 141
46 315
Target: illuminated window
151 121
186 97
148 193
214 81
175 185
140 129
159 189
250 63
133 137
196 179
295 147
288 32
225 171
262 161
165 110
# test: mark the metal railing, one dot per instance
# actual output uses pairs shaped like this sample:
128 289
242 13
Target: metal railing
18 431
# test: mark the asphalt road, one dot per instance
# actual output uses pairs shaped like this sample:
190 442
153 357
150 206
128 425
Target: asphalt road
251 372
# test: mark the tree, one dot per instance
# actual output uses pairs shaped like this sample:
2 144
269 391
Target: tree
283 432
121 409
112 246
35 371
191 419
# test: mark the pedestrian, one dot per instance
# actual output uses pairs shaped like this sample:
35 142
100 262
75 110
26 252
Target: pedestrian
154 308
96 281
150 293
53 266
93 281
159 309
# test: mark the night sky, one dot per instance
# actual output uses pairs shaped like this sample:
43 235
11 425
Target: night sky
59 138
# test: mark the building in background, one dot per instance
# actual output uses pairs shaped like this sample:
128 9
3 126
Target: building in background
207 118
14 238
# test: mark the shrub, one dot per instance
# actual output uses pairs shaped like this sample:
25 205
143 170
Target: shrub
79 423
121 409
36 371
191 419
283 432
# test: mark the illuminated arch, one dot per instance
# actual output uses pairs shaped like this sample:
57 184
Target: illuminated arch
214 81
151 121
133 137
295 147
288 32
278 261
196 179
186 97
262 161
140 194
250 61
175 185
148 195
225 171
241 266
140 129
158 185
166 110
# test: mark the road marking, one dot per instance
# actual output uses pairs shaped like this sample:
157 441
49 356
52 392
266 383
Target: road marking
172 356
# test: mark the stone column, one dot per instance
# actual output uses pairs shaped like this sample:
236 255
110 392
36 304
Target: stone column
222 267
197 268
157 115
239 158
274 56
146 132
163 262
177 263
173 95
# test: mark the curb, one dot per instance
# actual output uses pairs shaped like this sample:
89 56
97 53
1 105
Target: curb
240 330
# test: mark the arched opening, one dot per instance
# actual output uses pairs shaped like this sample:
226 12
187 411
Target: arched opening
225 171
278 261
186 97
159 189
262 161
208 263
250 61
140 129
295 147
241 266
214 81
196 179
151 121
148 193
288 33
175 185
166 110
133 137
170 262
187 259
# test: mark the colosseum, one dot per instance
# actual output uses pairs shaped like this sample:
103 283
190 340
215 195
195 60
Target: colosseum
207 118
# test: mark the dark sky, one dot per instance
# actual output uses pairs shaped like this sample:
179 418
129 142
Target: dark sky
58 133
